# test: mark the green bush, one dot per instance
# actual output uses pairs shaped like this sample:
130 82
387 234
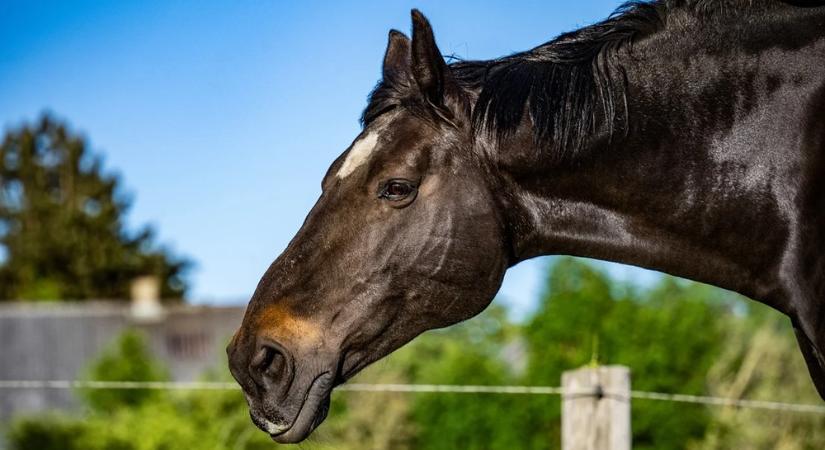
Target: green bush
676 336
49 432
137 419
127 359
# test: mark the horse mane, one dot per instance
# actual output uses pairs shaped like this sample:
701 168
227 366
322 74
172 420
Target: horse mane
563 85
568 85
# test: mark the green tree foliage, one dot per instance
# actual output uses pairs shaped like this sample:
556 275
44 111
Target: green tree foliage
472 353
49 432
141 419
677 337
760 361
127 359
669 337
61 223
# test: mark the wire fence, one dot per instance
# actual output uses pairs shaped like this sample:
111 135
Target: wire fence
426 388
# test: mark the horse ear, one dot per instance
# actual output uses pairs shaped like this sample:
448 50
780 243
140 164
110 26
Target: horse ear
397 57
428 67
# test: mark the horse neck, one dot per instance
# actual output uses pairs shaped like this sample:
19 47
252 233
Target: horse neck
691 190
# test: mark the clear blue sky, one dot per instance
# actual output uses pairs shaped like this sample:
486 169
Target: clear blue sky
223 117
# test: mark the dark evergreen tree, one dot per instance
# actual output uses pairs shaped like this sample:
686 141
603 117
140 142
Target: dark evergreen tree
62 234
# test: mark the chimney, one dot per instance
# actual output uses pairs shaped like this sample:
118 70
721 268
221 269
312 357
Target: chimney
146 305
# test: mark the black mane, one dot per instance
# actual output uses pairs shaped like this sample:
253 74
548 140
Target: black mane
566 85
563 85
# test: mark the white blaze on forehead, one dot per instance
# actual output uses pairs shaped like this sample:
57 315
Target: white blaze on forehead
363 147
358 154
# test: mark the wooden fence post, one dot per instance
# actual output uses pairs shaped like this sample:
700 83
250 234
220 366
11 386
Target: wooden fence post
596 409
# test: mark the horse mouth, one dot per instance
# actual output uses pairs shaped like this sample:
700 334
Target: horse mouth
312 412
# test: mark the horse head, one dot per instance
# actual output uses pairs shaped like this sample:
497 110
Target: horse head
405 237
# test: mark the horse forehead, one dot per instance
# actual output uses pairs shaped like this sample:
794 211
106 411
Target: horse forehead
364 148
360 152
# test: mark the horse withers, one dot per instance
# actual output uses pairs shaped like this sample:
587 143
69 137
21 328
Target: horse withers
686 136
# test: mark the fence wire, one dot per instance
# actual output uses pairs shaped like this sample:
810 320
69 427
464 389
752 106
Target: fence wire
426 388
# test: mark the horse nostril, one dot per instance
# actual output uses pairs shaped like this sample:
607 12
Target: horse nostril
271 365
269 361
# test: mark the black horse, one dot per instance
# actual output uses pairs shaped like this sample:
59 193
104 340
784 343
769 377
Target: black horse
686 136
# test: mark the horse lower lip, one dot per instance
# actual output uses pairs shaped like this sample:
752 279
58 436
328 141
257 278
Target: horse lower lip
320 415
274 429
274 433
317 416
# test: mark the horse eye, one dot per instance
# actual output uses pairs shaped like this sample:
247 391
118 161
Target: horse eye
395 190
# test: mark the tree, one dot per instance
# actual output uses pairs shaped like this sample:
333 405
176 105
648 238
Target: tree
141 419
126 359
62 234
474 353
761 361
677 337
669 336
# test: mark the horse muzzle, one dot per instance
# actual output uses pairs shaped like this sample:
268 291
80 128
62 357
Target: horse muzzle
285 400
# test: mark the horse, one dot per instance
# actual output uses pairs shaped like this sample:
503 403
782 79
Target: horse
685 136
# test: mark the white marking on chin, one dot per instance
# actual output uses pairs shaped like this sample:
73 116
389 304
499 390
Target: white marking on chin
272 428
358 154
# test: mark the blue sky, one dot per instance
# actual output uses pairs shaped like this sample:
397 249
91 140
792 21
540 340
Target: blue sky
222 117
